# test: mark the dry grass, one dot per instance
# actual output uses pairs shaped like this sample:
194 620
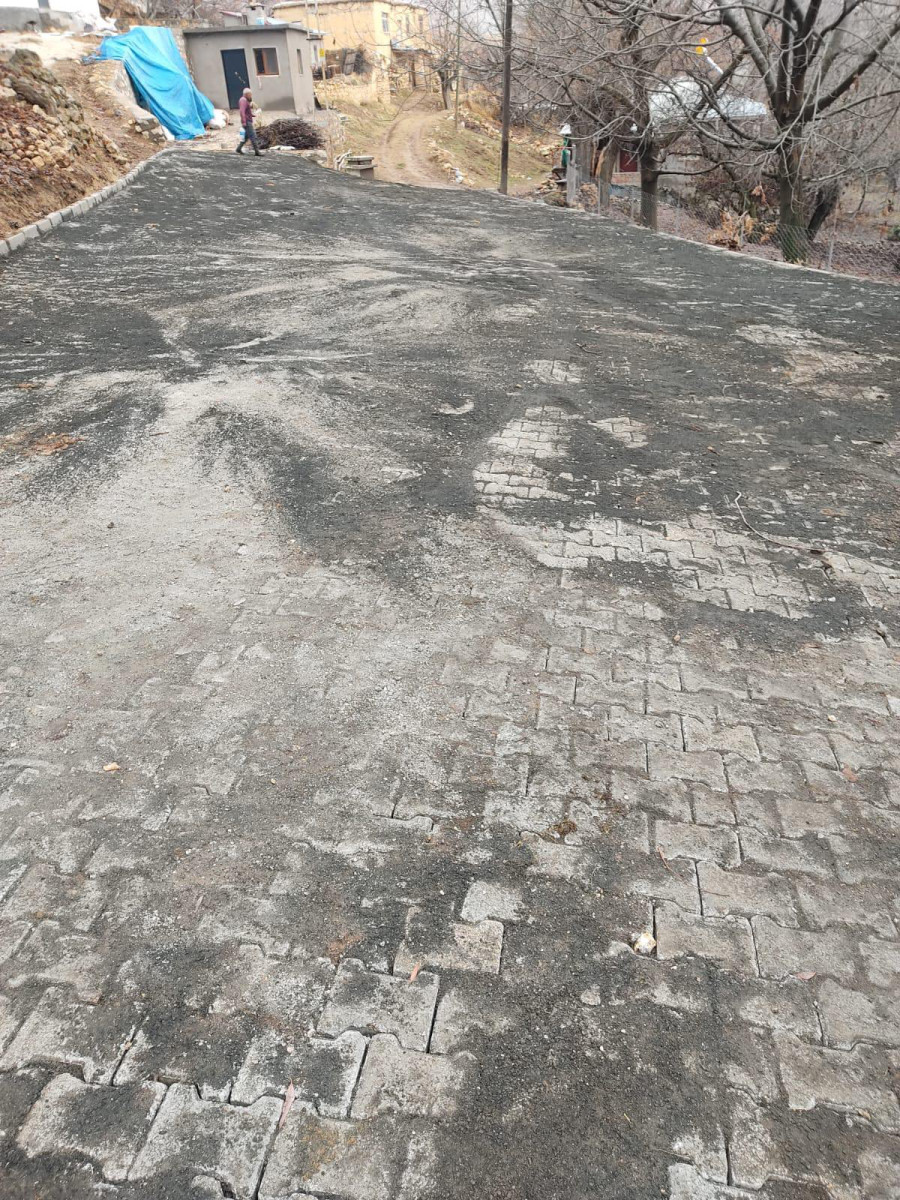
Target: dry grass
477 154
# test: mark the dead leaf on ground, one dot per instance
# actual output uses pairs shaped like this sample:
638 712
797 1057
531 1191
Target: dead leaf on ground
113 766
560 830
848 773
289 1097
805 975
338 946
50 443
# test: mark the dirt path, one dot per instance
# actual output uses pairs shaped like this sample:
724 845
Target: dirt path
402 155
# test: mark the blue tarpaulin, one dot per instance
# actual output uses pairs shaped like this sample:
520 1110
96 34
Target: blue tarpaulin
161 79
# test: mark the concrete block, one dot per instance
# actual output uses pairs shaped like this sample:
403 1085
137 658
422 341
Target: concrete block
209 1138
738 893
710 843
106 1125
855 1081
62 1032
374 1003
491 900
395 1080
323 1070
727 942
346 1159
784 952
462 947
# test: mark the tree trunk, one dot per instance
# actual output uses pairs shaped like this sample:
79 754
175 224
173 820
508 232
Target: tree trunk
649 164
792 229
604 175
826 202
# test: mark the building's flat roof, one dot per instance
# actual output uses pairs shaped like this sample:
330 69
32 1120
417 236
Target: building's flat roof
272 25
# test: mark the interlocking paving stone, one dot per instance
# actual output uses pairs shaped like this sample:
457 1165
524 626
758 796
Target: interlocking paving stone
106 1125
322 1070
416 719
353 1160
725 941
853 1080
224 1141
394 1079
376 1003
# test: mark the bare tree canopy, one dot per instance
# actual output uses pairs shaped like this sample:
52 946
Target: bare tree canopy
804 93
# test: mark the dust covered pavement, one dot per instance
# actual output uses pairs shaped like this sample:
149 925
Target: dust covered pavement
384 652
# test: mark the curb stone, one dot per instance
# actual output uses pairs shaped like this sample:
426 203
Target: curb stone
50 221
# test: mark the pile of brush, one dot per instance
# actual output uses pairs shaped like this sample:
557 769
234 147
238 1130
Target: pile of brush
289 131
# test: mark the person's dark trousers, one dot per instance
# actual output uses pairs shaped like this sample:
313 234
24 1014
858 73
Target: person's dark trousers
250 137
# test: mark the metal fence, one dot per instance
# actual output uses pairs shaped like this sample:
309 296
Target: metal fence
839 247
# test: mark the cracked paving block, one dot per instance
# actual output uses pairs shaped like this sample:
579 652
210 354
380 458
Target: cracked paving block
491 900
686 1183
60 1031
322 1070
462 1013
107 1125
342 1159
462 947
208 1138
849 1017
784 952
675 882
375 1003
856 1081
740 893
708 1155
204 1049
397 1080
711 844
728 942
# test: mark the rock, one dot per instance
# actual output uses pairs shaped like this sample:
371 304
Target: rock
7 93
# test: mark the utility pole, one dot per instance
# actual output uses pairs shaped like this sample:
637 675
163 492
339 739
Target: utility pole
458 61
507 90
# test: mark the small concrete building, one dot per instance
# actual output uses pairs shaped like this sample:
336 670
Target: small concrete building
275 61
78 15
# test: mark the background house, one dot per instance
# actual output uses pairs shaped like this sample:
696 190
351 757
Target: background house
387 40
275 61
78 15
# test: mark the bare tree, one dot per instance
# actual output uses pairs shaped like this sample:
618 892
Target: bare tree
804 92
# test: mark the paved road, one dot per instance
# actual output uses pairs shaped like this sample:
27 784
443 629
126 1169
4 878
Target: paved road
411 601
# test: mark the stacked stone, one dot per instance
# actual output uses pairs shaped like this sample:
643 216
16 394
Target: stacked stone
41 124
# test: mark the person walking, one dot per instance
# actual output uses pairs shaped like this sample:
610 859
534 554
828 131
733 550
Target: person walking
248 133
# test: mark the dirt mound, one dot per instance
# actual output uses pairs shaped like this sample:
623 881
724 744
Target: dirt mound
51 152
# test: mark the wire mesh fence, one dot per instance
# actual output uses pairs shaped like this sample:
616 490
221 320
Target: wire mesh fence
839 246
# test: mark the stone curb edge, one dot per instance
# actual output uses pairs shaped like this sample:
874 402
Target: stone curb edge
47 224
